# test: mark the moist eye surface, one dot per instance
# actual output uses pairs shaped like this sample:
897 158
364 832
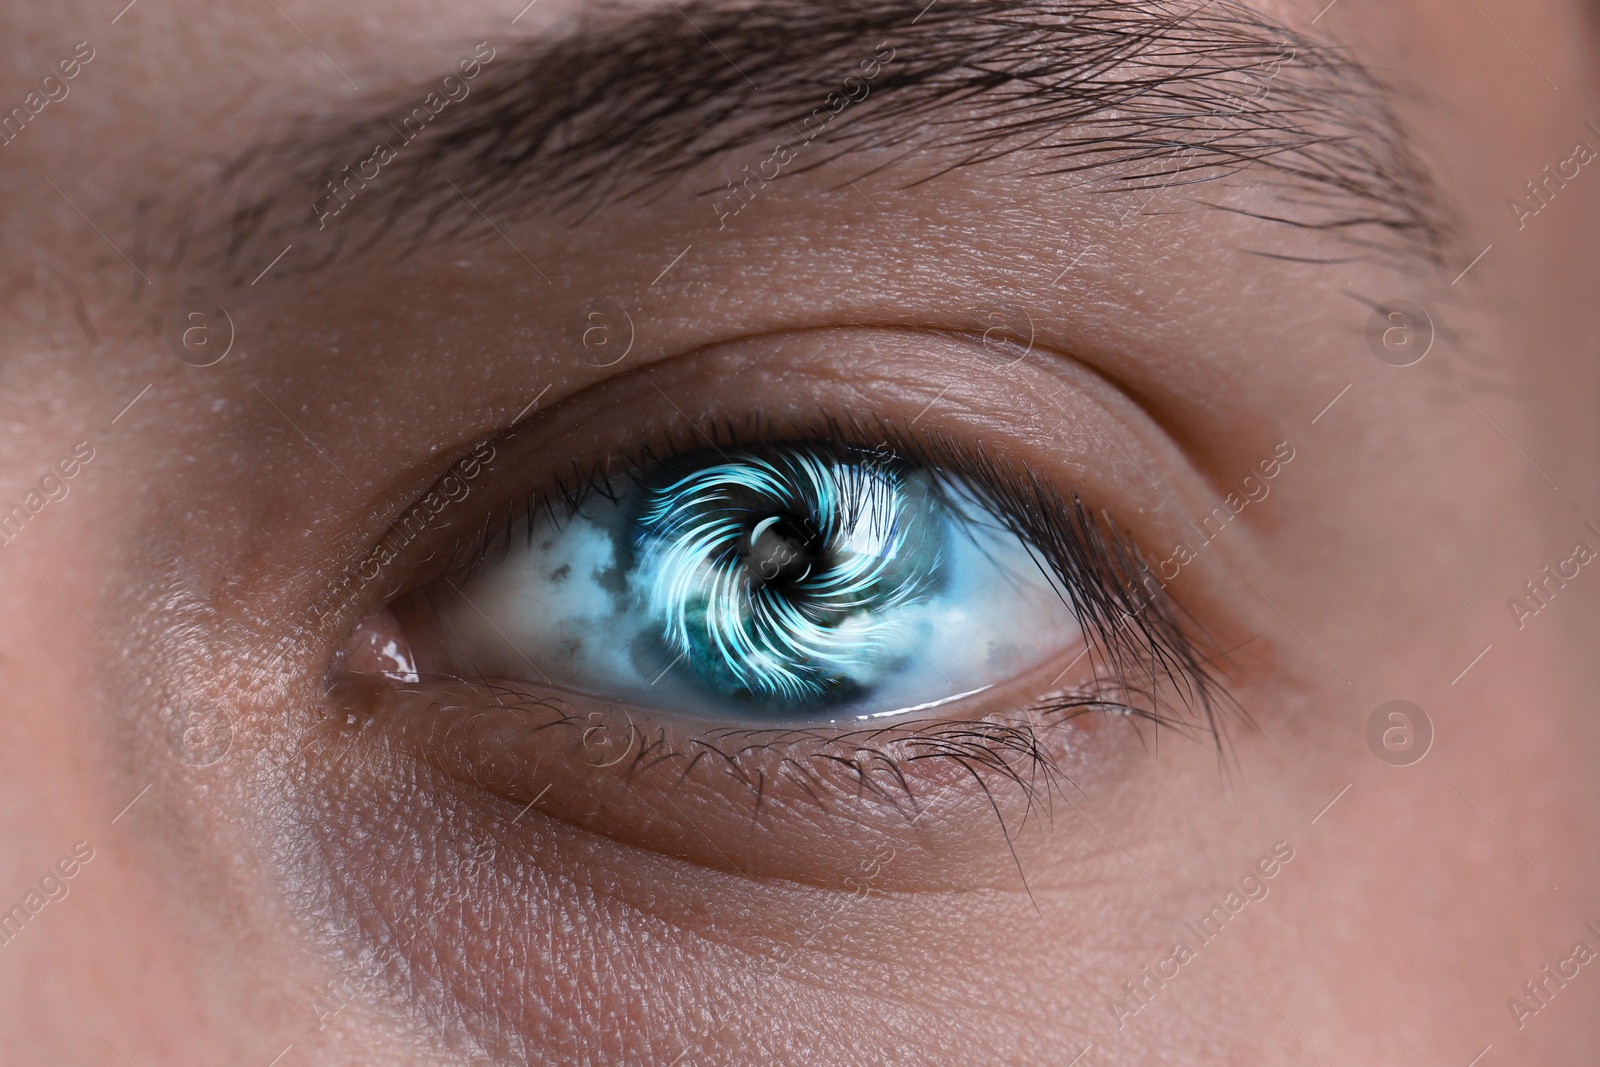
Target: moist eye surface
782 582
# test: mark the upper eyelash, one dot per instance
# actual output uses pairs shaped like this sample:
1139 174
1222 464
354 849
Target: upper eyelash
1146 650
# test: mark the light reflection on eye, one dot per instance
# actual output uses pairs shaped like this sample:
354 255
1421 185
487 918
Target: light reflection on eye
792 582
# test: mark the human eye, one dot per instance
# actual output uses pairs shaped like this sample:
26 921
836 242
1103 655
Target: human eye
816 614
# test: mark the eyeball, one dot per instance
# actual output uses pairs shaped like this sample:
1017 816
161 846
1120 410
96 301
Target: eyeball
787 582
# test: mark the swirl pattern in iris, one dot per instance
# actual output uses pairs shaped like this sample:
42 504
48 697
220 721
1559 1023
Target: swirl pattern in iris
781 577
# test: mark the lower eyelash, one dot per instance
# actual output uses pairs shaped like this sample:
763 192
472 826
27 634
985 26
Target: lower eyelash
1013 752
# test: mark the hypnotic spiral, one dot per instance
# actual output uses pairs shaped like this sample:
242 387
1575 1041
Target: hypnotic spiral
775 575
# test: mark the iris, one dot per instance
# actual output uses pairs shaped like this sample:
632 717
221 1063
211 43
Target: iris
785 578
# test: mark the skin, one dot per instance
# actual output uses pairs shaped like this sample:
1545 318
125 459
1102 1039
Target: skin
358 884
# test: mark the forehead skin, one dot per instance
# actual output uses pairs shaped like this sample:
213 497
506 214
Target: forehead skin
1418 904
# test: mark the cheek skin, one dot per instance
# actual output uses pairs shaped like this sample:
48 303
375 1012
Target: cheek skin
606 933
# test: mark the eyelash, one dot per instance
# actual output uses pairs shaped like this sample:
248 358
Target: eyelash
1147 667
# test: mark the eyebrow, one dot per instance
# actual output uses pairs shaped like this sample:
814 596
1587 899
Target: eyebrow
1128 95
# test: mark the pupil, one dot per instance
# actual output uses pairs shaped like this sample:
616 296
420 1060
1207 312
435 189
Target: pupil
781 551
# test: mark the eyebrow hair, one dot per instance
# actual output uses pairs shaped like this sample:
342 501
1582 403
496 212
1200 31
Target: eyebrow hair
1128 94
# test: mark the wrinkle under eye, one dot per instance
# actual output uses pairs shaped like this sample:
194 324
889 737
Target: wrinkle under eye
789 581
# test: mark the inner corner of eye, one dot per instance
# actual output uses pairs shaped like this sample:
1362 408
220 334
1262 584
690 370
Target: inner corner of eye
786 581
380 646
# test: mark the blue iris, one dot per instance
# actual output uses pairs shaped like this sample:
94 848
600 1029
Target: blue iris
775 577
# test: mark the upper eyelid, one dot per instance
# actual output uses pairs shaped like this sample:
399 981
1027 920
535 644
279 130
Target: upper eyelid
609 110
1103 400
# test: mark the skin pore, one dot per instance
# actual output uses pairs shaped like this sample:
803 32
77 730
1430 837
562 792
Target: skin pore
293 852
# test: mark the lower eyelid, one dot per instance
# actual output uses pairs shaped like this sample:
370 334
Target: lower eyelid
785 803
